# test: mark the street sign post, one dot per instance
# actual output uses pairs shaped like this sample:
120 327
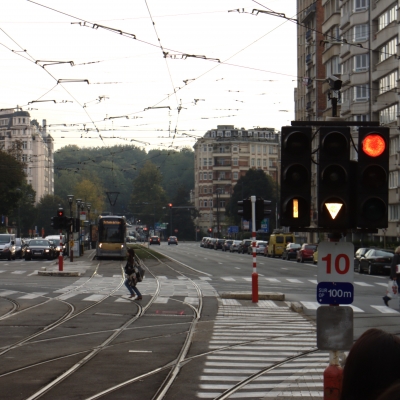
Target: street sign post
335 262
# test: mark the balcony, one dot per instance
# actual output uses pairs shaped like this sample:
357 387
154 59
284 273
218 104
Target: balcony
308 58
309 35
309 13
308 105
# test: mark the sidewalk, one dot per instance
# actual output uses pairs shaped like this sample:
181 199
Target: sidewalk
76 268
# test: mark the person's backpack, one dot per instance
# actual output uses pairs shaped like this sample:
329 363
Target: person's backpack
139 272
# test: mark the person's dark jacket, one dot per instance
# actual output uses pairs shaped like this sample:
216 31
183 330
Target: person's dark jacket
129 268
395 261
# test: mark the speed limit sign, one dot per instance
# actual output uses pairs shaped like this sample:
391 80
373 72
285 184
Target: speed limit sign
335 262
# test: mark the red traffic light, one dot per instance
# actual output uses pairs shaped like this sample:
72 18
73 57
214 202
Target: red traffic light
373 145
170 205
60 212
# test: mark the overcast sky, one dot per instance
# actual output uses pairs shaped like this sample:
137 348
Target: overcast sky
123 65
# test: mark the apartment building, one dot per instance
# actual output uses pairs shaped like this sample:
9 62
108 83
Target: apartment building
360 46
222 156
32 146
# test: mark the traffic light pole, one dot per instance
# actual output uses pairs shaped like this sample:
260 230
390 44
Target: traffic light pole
254 275
60 256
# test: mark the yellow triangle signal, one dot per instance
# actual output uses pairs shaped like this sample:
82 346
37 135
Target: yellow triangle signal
333 208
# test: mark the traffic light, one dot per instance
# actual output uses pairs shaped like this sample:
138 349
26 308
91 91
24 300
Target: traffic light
170 205
334 178
372 177
209 230
55 222
261 212
60 212
245 213
295 190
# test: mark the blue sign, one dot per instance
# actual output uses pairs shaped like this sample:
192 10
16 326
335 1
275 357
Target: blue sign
233 229
335 293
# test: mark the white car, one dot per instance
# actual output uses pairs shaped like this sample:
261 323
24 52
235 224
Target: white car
56 240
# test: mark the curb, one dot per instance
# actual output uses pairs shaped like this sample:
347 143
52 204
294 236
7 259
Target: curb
249 296
58 273
296 306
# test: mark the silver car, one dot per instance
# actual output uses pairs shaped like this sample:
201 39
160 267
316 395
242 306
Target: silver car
234 246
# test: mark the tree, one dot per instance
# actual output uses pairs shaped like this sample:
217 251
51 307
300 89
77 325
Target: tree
254 183
148 197
12 177
47 208
182 218
91 191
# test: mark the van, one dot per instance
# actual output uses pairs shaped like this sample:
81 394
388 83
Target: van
56 241
7 246
278 242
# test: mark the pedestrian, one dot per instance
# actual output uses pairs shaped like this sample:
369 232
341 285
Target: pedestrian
393 272
131 272
371 366
393 393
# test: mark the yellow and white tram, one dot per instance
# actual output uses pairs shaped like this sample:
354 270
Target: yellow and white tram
111 240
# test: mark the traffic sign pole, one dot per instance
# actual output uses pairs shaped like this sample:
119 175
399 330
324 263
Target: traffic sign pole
60 256
254 275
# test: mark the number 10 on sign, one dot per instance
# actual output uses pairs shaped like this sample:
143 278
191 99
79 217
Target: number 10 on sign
336 262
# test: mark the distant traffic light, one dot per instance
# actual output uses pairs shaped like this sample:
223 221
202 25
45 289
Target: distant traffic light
170 205
60 212
295 189
55 222
245 213
372 177
261 212
209 230
334 183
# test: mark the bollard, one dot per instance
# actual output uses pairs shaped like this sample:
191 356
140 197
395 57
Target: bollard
254 287
333 377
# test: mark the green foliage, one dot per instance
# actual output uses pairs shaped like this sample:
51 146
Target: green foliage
12 177
254 183
47 208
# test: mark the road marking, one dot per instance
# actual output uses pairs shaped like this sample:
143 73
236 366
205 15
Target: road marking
311 305
385 310
294 280
67 296
363 284
140 351
122 300
33 273
313 281
381 284
94 297
18 272
272 279
266 304
228 279
205 278
7 293
356 309
230 302
161 300
2 271
191 300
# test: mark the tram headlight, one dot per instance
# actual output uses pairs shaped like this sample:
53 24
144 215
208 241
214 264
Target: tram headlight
100 245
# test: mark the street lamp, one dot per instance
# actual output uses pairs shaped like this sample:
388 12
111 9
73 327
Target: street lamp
19 214
70 233
89 206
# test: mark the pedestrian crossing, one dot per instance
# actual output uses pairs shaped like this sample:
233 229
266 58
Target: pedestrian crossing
257 337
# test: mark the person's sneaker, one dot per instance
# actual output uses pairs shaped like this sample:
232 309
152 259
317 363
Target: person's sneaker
386 300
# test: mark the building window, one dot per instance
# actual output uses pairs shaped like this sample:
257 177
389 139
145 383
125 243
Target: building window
333 66
361 62
221 175
388 50
361 93
235 175
393 212
253 163
360 5
258 149
253 148
205 162
394 145
264 163
387 17
222 203
25 145
201 203
210 176
360 33
228 134
205 147
235 149
388 82
258 162
210 161
205 203
235 161
265 149
388 114
393 179
205 176
24 158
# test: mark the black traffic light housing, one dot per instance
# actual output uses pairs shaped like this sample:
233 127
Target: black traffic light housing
295 189
372 178
245 212
55 222
261 212
334 179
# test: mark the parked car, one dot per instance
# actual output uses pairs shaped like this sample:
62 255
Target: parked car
210 243
130 242
277 243
227 244
204 241
234 246
290 251
305 253
376 261
260 247
360 253
154 240
172 240
20 248
40 248
7 246
244 244
218 244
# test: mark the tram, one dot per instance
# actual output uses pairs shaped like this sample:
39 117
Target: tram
111 241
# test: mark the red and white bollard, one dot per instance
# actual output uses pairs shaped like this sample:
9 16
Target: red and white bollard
254 275
333 378
60 256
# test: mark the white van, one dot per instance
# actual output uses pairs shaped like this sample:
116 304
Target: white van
56 240
7 246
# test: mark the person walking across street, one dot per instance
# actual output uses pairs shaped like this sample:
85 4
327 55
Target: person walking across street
131 272
393 272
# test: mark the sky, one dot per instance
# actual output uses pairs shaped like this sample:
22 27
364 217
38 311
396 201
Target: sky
151 73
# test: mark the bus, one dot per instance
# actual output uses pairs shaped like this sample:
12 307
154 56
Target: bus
111 240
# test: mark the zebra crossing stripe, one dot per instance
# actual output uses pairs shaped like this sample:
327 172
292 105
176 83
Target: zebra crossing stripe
363 284
161 300
94 297
7 293
385 310
18 272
